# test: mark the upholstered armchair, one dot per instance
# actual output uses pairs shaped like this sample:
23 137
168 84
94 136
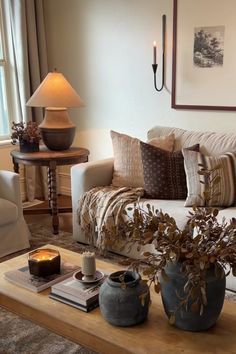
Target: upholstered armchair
14 232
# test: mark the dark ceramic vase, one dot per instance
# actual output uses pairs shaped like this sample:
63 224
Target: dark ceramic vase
26 146
187 319
124 306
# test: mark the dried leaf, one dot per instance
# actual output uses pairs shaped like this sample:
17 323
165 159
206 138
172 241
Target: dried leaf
172 319
157 288
146 254
148 271
201 309
204 298
123 286
195 307
126 262
202 265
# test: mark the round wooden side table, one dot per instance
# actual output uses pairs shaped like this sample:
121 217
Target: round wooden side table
51 159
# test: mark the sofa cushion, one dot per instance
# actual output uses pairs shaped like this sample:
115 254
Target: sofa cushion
227 214
128 169
8 212
211 143
223 193
164 175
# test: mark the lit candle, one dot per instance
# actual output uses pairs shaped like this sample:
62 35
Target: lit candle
88 264
43 255
43 262
154 52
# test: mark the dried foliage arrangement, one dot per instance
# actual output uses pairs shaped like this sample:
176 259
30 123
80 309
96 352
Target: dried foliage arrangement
25 133
205 242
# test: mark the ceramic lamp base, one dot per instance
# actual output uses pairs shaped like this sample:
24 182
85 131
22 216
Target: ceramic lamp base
58 139
57 130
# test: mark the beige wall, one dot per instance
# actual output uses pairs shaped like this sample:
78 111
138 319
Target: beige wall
104 48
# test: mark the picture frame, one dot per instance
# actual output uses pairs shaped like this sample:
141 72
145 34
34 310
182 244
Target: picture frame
204 55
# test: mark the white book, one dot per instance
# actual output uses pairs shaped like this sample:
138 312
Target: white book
72 289
23 278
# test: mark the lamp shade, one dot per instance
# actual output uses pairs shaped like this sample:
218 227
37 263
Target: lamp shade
55 91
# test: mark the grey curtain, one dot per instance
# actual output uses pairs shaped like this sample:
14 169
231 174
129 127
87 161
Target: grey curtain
29 55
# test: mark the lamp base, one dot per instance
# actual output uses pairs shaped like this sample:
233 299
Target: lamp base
56 129
58 139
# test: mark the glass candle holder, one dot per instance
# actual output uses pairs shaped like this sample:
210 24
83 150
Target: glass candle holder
44 262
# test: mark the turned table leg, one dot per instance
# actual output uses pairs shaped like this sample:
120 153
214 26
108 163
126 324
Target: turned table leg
49 189
53 196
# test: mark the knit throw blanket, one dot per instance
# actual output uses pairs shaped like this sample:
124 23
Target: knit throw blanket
102 207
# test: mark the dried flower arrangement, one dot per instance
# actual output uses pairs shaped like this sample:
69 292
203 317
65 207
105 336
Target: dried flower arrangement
25 133
204 243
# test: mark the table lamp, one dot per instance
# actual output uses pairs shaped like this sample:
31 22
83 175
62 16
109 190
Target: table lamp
56 95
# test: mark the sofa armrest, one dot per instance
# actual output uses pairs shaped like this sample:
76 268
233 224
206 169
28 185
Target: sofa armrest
85 176
10 188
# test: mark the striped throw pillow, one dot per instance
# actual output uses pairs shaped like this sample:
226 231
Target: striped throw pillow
222 193
128 168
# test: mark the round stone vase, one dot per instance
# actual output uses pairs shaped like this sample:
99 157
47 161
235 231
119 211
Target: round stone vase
124 299
173 290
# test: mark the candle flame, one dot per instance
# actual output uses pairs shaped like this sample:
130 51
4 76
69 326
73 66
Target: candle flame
154 43
43 256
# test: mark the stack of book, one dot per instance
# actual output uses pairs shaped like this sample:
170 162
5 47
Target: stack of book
77 294
23 278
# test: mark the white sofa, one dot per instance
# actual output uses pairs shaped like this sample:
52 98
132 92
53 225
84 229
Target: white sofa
14 232
91 174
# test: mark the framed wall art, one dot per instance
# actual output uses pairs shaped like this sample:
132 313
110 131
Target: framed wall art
204 55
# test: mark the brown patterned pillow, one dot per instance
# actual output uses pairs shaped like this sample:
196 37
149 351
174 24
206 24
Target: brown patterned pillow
128 168
164 174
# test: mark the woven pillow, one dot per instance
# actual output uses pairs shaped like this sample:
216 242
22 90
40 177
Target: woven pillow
224 191
128 169
164 175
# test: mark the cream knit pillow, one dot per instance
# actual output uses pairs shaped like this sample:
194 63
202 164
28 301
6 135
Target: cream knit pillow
128 168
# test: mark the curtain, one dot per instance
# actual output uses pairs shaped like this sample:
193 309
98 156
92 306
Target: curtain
29 60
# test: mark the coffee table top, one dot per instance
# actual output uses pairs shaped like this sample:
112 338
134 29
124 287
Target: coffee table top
153 336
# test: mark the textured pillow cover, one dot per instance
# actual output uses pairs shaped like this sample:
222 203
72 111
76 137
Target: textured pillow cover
165 142
225 189
164 175
128 168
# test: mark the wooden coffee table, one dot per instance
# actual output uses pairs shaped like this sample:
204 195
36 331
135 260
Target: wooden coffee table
155 336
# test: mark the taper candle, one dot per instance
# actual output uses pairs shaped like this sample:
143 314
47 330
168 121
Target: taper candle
154 52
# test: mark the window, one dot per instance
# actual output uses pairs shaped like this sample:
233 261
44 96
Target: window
5 89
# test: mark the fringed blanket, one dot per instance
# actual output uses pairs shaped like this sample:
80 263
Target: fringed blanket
102 208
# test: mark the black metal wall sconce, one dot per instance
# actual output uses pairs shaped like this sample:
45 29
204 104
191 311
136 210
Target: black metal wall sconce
154 65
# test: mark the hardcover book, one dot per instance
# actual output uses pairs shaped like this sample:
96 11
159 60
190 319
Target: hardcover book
81 293
23 278
75 304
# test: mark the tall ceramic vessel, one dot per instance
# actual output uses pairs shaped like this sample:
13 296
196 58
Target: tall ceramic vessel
124 302
172 292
